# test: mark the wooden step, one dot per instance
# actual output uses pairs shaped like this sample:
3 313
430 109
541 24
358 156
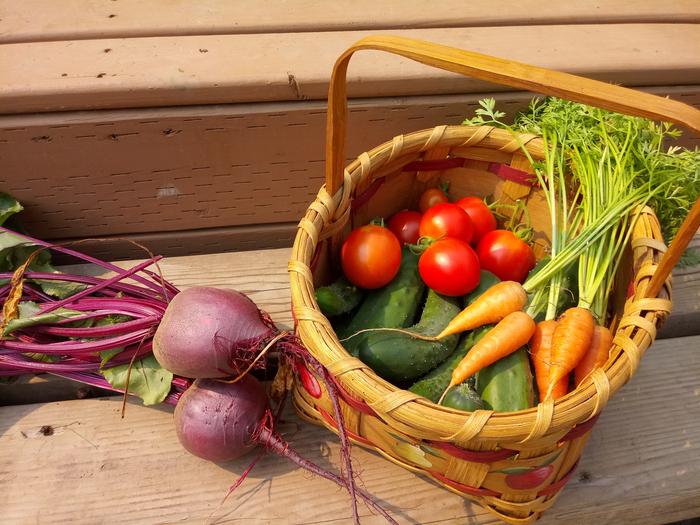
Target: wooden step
43 20
216 69
642 465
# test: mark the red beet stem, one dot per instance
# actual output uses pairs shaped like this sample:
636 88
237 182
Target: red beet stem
274 442
104 284
100 331
136 291
75 347
83 257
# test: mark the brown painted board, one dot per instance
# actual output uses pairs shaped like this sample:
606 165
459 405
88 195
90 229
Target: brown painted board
202 179
44 20
641 466
166 71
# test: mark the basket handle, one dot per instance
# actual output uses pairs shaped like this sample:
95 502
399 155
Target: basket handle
499 71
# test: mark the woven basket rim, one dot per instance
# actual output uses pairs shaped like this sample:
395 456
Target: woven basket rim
324 218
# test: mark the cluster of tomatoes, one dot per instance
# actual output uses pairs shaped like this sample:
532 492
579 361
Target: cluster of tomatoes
461 237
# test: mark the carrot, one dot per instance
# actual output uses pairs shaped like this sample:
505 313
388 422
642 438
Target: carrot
541 352
570 342
512 332
493 305
597 353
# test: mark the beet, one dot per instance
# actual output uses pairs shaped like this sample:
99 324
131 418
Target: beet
215 420
201 333
204 330
221 421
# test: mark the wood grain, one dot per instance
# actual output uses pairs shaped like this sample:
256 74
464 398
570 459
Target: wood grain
642 465
163 71
42 20
203 179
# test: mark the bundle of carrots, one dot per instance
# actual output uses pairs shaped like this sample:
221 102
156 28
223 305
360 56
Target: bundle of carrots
574 342
600 169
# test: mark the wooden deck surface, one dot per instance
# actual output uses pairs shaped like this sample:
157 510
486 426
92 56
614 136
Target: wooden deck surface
642 464
186 95
218 69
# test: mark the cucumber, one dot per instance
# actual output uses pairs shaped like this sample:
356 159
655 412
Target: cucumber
393 306
339 297
437 380
400 358
463 397
507 385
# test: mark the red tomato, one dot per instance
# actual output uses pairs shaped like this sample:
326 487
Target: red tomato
404 225
450 267
446 220
479 213
430 198
370 256
502 253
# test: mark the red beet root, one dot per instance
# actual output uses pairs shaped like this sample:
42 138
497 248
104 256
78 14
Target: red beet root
204 330
221 421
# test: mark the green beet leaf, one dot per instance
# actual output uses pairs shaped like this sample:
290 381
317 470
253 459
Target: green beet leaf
8 207
148 380
29 315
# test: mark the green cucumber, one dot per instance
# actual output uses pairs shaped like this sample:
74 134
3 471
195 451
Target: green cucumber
339 297
437 380
400 358
463 397
507 385
393 306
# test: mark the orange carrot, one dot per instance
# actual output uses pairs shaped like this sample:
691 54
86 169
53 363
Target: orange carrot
570 342
512 332
597 354
541 352
493 305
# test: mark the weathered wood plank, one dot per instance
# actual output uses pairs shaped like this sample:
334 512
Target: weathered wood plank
164 71
642 465
263 275
43 20
203 179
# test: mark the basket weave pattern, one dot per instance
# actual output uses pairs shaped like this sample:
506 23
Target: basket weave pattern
484 455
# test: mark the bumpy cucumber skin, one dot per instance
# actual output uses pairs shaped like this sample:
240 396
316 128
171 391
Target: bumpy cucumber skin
339 297
402 359
463 397
393 306
437 380
507 385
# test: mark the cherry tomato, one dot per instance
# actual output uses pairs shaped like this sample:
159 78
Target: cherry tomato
481 216
404 225
370 256
450 267
446 220
430 198
502 253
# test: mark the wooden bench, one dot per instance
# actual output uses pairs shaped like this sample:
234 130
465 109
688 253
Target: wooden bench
642 463
197 128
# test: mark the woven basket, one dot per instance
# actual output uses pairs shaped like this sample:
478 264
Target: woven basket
472 454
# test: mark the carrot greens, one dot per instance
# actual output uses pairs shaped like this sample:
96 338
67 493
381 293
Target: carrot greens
599 170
